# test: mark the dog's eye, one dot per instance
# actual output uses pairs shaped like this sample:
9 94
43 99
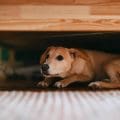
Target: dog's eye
47 56
59 57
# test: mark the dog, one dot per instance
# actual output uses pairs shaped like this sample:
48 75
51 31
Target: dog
101 69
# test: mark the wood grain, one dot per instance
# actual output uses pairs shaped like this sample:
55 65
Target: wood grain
97 2
105 10
60 2
94 24
59 18
42 12
60 105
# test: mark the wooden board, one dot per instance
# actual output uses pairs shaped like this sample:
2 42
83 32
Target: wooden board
60 2
60 105
59 18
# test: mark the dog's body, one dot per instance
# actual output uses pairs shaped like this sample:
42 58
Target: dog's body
78 65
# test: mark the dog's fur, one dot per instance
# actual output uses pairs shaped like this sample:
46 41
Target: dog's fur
82 66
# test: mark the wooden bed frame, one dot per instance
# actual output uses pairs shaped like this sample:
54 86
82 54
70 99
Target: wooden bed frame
62 15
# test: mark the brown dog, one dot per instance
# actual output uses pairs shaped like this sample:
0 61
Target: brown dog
80 65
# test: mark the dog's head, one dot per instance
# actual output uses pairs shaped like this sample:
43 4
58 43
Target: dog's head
56 61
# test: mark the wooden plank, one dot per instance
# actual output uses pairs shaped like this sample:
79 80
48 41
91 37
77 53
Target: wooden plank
59 18
93 24
46 12
105 10
97 2
60 2
42 12
36 2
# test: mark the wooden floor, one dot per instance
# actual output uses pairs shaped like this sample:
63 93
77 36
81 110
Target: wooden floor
60 105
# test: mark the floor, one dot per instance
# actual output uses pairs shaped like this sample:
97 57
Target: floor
22 100
60 105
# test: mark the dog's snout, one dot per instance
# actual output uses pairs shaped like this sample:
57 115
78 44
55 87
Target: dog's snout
45 67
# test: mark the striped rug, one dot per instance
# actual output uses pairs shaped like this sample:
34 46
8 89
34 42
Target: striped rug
60 105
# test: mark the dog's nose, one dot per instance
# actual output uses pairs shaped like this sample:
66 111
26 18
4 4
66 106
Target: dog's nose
45 67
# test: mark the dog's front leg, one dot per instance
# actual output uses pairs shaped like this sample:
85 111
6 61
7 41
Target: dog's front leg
71 79
45 83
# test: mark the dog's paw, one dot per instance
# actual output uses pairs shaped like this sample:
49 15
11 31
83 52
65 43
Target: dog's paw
43 84
60 85
95 85
106 80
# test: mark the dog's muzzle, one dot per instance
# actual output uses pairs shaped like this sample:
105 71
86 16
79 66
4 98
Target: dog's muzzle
44 69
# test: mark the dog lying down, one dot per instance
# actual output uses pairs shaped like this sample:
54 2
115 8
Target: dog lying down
79 65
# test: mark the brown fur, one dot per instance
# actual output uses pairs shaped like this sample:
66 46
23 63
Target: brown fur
83 66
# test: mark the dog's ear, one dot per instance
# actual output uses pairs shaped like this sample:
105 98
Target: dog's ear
43 57
75 53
